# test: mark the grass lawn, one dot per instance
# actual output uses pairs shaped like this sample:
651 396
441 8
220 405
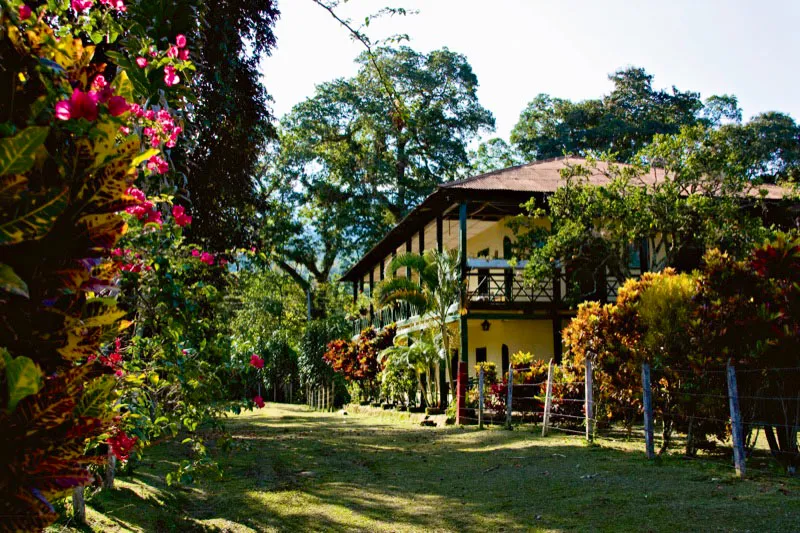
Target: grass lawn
298 470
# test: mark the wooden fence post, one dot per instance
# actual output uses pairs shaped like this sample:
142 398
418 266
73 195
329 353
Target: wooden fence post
111 466
548 399
78 505
647 404
480 398
509 399
588 406
737 434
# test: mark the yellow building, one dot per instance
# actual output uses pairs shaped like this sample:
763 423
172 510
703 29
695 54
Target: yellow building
501 315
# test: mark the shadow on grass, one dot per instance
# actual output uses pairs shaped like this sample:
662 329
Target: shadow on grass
297 470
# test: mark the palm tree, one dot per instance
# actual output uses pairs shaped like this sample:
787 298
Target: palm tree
436 290
419 357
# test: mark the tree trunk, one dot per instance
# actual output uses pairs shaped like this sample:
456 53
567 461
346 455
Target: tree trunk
111 466
78 505
666 435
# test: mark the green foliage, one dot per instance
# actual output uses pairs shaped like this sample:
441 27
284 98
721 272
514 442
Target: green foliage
354 160
688 327
436 290
704 199
18 153
623 122
231 122
22 378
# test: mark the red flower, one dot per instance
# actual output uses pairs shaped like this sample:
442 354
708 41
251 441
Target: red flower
195 253
117 106
181 218
180 40
259 401
256 361
207 258
141 61
25 12
121 445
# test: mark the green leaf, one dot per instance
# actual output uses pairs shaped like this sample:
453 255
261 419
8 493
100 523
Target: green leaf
10 282
35 221
18 153
123 86
22 376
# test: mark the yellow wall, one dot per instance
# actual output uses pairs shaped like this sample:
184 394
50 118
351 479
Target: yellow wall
535 336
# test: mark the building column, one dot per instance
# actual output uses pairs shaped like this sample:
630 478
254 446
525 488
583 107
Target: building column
355 292
462 259
371 288
408 251
422 240
439 234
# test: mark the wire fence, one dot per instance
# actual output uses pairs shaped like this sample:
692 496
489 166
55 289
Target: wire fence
746 418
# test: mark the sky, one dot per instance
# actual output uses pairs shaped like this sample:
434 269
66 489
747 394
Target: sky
566 48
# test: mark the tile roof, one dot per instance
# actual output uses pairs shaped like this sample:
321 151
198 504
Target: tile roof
545 177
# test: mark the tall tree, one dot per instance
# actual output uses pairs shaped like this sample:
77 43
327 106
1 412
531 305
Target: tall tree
355 158
231 122
706 200
623 121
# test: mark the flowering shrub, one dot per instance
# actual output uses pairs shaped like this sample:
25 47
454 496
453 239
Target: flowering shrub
69 154
359 362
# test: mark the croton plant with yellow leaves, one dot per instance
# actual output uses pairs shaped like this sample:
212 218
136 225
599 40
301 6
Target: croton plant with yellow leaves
76 132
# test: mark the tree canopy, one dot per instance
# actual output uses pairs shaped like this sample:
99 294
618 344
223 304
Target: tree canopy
231 123
626 120
355 157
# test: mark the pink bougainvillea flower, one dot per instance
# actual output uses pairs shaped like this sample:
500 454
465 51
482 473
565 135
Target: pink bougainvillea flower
117 106
158 165
184 54
125 130
150 114
259 401
181 218
120 6
223 261
63 110
141 62
207 258
153 52
80 105
172 51
180 40
195 253
117 252
99 82
82 5
256 361
170 78
136 193
24 12
154 217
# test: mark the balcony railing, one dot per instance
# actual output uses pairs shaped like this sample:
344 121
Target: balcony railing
381 318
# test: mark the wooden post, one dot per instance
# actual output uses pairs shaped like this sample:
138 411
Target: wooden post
111 466
78 505
439 234
588 405
548 399
737 435
647 403
509 398
480 398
